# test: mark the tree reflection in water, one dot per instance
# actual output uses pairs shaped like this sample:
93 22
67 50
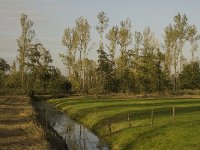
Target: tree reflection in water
76 136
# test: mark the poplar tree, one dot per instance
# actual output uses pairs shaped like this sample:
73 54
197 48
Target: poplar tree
70 41
104 64
82 29
24 43
193 38
112 37
124 41
103 24
175 38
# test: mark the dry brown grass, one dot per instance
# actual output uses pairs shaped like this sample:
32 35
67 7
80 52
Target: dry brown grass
18 130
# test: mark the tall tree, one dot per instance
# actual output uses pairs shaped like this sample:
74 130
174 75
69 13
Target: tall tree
90 76
83 34
175 38
137 44
41 72
104 65
147 66
112 37
193 38
70 40
162 77
103 24
24 42
124 41
105 72
125 36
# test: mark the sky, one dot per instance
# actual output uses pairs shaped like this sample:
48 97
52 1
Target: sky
51 17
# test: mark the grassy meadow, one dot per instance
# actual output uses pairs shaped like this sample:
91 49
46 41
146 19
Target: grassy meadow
139 123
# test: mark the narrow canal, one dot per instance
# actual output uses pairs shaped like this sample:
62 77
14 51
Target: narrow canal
76 136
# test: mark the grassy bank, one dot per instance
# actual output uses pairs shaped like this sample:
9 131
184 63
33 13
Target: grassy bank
139 123
18 126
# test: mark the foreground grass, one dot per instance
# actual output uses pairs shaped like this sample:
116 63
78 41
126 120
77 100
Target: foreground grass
18 130
164 134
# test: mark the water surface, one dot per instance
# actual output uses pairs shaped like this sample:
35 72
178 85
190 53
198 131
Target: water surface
77 137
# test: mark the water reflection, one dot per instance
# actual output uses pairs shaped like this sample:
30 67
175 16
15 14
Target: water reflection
76 136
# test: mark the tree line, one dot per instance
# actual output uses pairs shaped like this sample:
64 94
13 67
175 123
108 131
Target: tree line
128 61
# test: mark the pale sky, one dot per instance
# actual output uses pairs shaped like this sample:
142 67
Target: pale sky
51 17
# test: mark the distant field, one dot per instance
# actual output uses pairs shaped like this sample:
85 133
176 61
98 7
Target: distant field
144 130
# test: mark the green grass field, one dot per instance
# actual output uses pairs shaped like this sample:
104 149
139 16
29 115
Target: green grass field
96 114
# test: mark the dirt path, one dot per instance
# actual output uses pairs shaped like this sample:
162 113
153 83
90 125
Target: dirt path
18 128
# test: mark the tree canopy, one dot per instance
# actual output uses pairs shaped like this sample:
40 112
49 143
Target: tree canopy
128 61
